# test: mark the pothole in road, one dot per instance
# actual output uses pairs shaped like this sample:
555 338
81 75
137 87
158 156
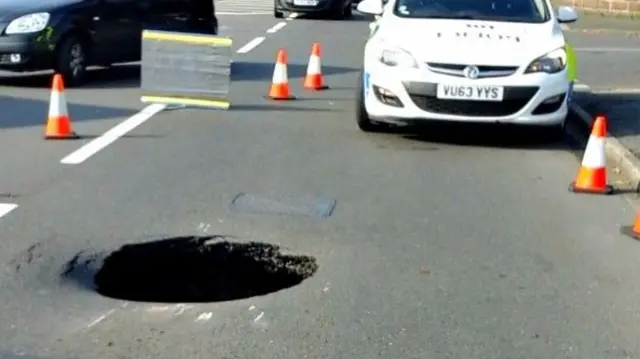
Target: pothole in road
195 270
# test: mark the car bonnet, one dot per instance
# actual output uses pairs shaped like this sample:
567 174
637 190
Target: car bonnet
473 42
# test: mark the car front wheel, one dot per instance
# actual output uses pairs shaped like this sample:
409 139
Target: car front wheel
71 61
277 14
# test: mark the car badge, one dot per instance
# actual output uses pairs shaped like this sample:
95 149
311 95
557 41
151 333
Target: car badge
471 72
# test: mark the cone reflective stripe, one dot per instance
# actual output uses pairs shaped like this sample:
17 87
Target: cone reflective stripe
58 121
280 82
592 176
314 79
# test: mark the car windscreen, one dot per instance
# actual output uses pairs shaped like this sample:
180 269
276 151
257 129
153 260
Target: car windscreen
526 11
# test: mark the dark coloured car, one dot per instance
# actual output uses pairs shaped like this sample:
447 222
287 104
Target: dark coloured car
69 35
335 9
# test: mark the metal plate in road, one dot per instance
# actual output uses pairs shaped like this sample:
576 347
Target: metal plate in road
187 69
283 205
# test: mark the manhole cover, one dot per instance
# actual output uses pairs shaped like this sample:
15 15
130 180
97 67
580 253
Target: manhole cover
193 269
283 205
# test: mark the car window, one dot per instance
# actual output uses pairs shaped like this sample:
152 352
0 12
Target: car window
532 11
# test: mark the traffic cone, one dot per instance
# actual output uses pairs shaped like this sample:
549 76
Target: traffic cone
314 80
592 177
280 83
58 123
633 231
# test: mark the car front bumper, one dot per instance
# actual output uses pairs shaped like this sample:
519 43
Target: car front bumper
407 95
20 53
322 6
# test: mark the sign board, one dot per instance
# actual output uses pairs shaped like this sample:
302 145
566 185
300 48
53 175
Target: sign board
185 69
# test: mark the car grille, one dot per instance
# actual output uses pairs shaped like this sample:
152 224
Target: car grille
484 70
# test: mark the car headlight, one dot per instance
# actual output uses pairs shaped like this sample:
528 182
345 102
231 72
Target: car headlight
28 23
397 57
553 62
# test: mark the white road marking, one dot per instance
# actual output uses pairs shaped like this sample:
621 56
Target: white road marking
292 16
277 27
259 317
204 317
100 318
5 208
581 87
251 45
607 49
109 137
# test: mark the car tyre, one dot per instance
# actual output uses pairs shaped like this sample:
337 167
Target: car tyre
362 117
554 133
71 60
549 133
348 12
277 14
336 14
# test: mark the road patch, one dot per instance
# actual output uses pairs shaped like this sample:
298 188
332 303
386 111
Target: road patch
283 205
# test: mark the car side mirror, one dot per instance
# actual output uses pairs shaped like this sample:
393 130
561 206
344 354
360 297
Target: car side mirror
566 14
370 7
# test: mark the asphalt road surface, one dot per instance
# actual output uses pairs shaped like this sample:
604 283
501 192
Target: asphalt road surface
607 60
441 245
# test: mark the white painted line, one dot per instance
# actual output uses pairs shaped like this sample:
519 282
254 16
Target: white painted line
607 49
276 28
109 137
251 45
292 16
100 318
581 87
5 208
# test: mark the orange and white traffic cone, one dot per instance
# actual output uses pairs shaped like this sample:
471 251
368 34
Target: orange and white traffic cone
314 79
279 89
58 123
592 177
633 231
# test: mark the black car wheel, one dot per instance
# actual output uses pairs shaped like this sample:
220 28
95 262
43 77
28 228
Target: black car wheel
336 13
277 14
348 12
71 60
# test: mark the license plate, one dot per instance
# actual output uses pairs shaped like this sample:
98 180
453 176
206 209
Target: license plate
305 2
470 92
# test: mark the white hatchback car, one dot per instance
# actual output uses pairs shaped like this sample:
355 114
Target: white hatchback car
493 61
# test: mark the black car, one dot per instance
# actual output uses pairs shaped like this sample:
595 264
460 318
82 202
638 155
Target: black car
336 9
69 35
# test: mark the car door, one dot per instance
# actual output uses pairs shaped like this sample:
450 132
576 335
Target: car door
119 30
167 15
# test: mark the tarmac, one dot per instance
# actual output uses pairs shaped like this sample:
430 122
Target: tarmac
279 230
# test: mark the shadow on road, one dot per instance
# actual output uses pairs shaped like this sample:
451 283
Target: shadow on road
190 270
120 76
479 135
622 109
20 112
355 17
262 71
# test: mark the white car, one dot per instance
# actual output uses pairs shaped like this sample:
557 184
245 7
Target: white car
492 61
